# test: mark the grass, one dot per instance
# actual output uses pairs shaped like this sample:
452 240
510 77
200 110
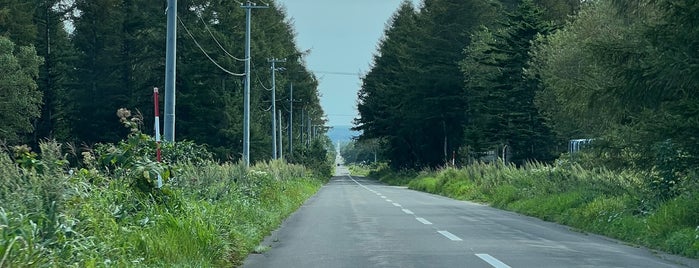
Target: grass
615 204
208 215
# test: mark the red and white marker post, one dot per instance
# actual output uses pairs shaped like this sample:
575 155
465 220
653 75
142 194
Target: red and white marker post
157 132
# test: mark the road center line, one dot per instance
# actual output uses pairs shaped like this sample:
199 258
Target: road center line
449 235
383 197
407 211
423 221
355 181
389 200
492 261
397 205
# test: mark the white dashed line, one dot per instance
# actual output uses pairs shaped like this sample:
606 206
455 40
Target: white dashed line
383 197
389 200
407 211
397 205
449 235
492 261
423 221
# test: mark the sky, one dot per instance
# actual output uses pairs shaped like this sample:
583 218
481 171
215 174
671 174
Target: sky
342 36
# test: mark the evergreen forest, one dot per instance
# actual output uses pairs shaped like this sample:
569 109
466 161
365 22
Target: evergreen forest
473 99
585 113
70 65
83 182
464 81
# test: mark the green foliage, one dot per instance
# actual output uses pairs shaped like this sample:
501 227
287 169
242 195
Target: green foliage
426 184
600 201
56 75
621 72
16 21
133 158
210 215
669 168
362 152
412 97
316 157
19 67
500 98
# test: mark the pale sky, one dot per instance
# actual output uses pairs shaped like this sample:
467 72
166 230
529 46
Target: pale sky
342 36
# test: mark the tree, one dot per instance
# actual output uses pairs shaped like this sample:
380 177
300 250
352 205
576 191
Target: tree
501 99
16 21
100 88
363 152
412 97
20 100
55 76
625 72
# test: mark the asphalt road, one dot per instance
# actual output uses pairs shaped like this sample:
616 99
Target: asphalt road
355 222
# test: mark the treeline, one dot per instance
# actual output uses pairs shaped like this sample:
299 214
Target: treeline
459 79
72 64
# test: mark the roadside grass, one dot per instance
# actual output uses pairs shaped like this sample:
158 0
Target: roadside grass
614 204
208 214
359 170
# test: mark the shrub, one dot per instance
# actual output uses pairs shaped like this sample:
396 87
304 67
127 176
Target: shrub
427 184
681 212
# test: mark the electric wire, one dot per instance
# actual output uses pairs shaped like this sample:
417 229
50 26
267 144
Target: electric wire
261 84
206 54
215 39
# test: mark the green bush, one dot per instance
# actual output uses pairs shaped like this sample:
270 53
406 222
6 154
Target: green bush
427 184
504 195
684 241
209 214
679 213
550 207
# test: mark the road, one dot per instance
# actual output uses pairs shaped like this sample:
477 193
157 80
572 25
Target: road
355 222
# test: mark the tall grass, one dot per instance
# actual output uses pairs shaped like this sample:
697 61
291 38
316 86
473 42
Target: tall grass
617 204
206 215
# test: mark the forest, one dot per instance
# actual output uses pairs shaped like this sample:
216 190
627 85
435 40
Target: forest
83 182
462 80
70 65
583 113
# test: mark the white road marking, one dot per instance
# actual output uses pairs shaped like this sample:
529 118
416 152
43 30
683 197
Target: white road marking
383 197
397 205
449 235
389 200
492 261
407 211
355 181
423 221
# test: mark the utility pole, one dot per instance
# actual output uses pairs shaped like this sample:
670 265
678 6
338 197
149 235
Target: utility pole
291 118
170 53
246 99
308 126
302 129
274 106
281 148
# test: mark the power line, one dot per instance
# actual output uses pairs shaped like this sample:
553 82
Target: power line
216 40
261 84
206 54
336 73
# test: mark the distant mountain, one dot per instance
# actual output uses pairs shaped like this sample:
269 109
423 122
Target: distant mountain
342 134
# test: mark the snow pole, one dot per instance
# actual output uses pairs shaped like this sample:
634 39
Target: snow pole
157 133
